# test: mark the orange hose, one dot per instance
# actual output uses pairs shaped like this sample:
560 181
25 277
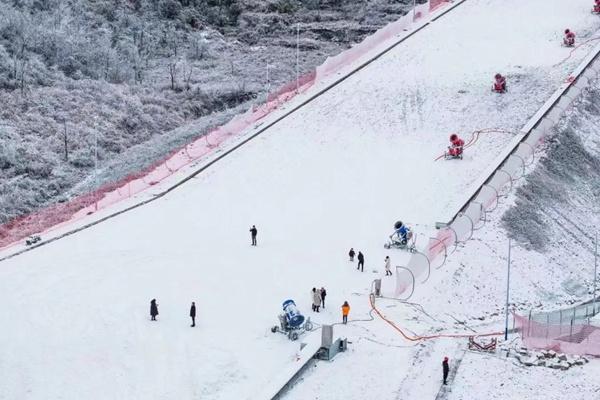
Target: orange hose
418 338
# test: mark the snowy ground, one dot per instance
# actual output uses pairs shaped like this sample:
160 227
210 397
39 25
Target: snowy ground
334 175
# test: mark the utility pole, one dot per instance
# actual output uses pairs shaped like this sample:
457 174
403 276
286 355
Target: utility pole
66 140
96 164
595 268
268 81
297 57
507 293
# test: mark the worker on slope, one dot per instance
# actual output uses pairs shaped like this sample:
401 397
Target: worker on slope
345 312
569 39
455 149
596 9
499 84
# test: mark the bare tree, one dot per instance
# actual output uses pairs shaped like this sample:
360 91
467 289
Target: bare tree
173 72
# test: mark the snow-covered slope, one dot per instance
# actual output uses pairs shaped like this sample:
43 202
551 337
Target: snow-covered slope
335 174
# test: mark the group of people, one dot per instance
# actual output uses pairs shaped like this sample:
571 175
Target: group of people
154 311
318 298
318 301
360 257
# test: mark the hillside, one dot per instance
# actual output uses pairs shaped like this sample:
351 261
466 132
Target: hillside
140 78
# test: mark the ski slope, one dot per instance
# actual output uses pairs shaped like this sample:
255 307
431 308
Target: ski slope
334 175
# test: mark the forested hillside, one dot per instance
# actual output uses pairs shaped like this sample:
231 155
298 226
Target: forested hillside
139 78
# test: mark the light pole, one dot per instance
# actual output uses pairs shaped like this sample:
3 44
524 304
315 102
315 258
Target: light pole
507 293
595 268
297 57
268 80
96 165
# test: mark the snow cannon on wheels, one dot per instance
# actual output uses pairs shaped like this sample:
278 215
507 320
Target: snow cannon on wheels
291 322
455 150
499 85
402 238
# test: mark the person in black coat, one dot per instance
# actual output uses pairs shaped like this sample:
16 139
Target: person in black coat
351 253
323 294
153 309
361 262
193 314
253 233
445 369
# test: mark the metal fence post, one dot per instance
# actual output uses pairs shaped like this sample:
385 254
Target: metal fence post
560 324
547 324
571 332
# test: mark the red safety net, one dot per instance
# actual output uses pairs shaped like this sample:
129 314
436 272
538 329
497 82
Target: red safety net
570 338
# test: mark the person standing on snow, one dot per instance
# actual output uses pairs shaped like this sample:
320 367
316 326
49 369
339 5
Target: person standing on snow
445 369
193 314
323 294
253 233
153 309
316 299
351 253
388 266
361 262
345 312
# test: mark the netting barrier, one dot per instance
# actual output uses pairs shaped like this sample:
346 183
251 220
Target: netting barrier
473 214
56 216
565 331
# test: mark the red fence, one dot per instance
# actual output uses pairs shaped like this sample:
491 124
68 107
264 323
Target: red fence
569 337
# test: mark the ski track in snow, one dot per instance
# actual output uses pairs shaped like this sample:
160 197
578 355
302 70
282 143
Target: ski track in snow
335 174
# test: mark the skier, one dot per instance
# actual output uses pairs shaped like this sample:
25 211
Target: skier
345 312
153 309
387 266
351 254
361 262
445 369
316 299
569 39
499 83
456 146
193 314
323 294
253 232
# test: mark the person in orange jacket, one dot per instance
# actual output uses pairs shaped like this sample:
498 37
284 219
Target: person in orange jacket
345 312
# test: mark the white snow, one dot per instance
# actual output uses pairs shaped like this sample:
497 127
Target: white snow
334 175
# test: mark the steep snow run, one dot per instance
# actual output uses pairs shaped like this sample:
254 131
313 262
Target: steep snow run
335 174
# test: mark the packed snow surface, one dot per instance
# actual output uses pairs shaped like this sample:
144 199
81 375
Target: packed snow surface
334 175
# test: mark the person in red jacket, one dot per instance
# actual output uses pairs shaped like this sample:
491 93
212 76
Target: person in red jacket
499 83
596 9
569 39
456 147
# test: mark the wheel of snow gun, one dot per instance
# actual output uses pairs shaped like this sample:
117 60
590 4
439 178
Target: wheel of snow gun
274 329
293 336
308 326
386 246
